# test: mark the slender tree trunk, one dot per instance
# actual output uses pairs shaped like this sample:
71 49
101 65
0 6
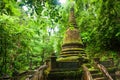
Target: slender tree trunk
42 56
43 53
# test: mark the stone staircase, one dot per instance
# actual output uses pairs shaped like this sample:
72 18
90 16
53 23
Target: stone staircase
95 73
101 70
111 68
108 68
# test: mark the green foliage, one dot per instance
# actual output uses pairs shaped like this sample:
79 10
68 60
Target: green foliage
29 37
25 41
99 24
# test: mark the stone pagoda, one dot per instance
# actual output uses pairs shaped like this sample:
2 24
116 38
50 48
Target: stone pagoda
67 66
72 46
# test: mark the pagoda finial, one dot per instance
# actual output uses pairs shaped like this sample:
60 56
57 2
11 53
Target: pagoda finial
72 21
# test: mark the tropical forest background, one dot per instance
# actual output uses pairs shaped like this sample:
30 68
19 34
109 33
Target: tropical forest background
31 30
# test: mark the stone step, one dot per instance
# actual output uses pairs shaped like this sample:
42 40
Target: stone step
88 66
97 75
113 75
61 70
100 78
112 69
107 63
94 71
117 75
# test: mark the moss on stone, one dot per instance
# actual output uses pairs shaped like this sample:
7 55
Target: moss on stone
67 73
80 49
72 36
70 58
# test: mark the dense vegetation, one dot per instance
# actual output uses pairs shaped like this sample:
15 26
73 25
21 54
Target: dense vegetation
30 31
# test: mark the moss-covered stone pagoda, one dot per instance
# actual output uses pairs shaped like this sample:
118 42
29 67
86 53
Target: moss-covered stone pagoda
68 64
72 45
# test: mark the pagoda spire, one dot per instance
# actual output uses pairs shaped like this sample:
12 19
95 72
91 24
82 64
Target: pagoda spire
72 21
